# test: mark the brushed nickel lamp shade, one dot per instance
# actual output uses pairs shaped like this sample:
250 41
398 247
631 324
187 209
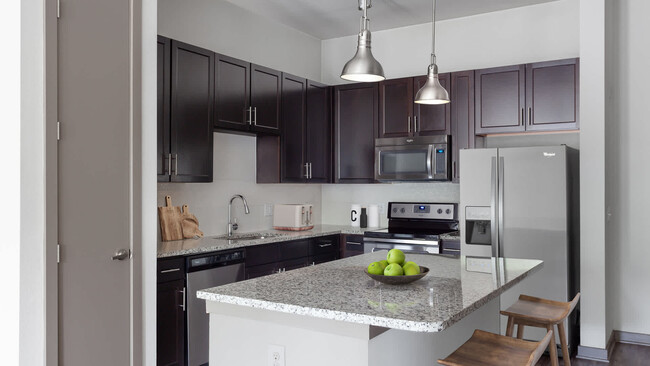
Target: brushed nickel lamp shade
363 66
432 92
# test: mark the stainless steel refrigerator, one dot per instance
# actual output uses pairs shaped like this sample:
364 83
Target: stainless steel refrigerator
522 203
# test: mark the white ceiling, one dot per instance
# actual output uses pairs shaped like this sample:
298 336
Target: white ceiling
325 19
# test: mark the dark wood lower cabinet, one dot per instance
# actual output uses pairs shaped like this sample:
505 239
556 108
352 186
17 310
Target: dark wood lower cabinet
261 270
352 245
170 327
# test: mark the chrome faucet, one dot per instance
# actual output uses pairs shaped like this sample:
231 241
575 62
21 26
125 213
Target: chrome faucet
233 226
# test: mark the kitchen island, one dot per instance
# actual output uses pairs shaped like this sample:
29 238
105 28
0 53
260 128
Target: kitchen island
334 314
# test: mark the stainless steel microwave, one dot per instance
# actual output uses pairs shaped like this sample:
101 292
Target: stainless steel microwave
423 158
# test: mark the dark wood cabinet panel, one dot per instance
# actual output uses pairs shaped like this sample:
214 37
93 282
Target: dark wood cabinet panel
352 245
261 270
191 113
432 119
164 101
552 95
262 254
291 264
294 249
170 324
323 258
324 245
232 91
355 126
318 134
462 117
268 159
265 99
396 108
500 99
293 129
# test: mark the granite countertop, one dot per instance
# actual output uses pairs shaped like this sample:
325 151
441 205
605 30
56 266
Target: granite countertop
455 235
340 290
214 243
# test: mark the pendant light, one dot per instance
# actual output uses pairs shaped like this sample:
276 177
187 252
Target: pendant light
432 92
363 66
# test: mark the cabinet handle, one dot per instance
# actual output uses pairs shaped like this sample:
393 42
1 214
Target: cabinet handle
170 270
306 170
354 243
176 164
415 124
310 176
183 303
325 245
169 164
530 116
249 119
455 170
408 123
255 116
523 117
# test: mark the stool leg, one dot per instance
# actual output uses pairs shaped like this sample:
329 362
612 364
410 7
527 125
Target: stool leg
552 348
565 349
511 325
520 331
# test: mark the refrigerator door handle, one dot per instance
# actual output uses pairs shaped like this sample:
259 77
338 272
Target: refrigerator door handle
493 208
501 195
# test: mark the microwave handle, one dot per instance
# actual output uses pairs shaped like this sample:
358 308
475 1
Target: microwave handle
430 161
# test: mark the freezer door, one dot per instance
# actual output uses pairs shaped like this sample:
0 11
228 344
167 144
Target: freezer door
477 169
534 221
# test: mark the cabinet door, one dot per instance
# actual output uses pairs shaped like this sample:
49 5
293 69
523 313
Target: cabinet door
355 124
292 264
396 108
462 117
552 95
232 91
170 324
293 129
319 132
432 119
353 245
500 99
261 270
324 245
164 90
262 254
191 113
265 99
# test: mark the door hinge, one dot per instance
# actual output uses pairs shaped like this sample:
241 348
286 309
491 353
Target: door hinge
58 131
58 9
58 253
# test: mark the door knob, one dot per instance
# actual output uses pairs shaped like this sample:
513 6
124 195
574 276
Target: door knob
121 255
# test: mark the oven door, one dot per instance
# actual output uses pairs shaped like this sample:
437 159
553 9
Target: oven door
404 162
371 245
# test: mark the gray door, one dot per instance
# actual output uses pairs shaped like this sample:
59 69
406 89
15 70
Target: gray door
95 181
534 223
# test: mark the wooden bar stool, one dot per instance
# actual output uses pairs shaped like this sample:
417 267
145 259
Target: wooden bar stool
487 349
541 313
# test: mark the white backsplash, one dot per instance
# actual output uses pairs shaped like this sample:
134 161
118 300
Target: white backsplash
337 198
234 173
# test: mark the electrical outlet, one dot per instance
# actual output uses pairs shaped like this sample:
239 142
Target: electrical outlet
275 355
382 208
268 209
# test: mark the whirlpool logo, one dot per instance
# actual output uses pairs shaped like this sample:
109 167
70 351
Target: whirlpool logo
549 155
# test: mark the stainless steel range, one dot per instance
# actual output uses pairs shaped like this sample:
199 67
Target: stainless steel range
413 227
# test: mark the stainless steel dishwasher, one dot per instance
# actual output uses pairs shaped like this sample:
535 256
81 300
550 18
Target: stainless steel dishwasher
205 271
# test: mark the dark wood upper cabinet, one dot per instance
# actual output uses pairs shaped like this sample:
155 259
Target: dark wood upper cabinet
164 100
552 95
265 99
170 324
462 117
318 133
396 108
232 93
355 127
293 129
431 120
500 99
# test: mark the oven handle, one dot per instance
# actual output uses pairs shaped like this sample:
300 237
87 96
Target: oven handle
373 250
401 241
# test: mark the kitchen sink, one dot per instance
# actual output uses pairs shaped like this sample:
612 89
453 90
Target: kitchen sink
251 236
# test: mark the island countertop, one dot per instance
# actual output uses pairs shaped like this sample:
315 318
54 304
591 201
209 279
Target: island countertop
340 290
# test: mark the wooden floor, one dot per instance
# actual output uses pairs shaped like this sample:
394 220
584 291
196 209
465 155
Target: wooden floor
624 355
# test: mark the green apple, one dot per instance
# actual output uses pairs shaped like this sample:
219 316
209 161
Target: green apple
393 269
410 269
395 256
408 264
384 263
376 268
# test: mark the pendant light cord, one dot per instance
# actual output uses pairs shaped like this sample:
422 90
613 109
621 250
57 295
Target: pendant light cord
433 34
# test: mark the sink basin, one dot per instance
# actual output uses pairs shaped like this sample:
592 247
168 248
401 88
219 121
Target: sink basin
252 236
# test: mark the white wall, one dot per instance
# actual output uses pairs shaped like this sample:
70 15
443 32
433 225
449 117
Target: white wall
234 172
628 153
534 33
230 30
337 198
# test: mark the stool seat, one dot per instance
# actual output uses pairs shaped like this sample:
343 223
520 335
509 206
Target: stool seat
539 310
486 349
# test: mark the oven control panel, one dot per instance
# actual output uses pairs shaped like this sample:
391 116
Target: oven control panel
410 210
